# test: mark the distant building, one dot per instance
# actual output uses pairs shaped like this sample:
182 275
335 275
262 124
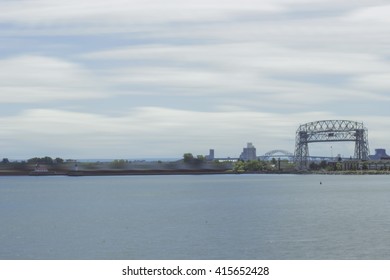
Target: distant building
248 153
380 154
210 156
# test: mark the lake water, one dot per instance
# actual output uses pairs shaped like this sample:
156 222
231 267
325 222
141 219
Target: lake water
195 217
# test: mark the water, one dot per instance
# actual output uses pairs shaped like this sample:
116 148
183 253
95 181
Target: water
195 217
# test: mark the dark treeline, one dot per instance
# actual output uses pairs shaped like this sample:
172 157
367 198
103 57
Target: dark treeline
24 164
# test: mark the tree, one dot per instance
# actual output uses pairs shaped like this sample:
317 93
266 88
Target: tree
59 160
44 160
323 164
5 161
188 158
47 160
118 164
200 158
253 165
314 166
239 167
34 160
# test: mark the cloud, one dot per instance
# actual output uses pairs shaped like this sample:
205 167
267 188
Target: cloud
157 132
244 74
120 12
373 82
245 56
376 14
46 12
32 79
236 71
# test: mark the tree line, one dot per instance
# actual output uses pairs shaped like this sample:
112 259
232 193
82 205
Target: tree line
6 163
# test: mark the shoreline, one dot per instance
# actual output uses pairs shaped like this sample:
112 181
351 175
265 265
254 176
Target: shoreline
113 172
177 172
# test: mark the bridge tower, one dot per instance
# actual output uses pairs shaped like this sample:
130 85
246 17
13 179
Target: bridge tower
330 131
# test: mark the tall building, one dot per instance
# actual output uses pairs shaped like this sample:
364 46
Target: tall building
210 156
248 153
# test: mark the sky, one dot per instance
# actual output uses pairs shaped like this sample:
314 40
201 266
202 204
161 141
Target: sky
159 78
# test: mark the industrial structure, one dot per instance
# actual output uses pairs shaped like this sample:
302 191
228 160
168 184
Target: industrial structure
210 156
330 131
380 154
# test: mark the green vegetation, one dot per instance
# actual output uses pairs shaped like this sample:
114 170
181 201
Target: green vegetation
317 166
188 158
201 162
350 167
259 166
191 163
119 164
249 166
56 166
6 164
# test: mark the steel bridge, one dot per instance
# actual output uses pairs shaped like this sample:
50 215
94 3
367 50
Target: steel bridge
282 154
277 153
330 131
267 156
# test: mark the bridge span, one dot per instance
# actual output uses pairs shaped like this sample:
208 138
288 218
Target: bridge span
330 131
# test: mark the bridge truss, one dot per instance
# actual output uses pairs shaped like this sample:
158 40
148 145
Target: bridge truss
277 153
330 131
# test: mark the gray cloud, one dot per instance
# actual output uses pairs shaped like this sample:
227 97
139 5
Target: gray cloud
159 78
33 79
